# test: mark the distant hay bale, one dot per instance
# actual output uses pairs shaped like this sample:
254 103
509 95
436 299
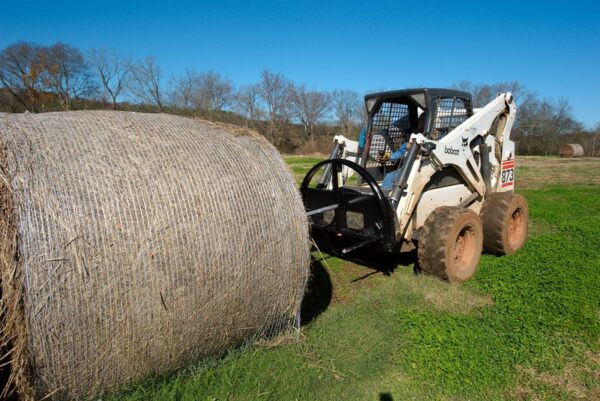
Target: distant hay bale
135 244
571 150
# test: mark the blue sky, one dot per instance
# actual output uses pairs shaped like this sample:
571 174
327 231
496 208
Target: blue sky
551 47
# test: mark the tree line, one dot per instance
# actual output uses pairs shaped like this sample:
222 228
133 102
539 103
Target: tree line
542 125
292 116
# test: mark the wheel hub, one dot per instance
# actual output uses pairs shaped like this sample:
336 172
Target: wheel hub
516 228
464 247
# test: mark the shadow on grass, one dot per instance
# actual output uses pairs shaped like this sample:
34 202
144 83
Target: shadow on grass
318 292
380 262
371 257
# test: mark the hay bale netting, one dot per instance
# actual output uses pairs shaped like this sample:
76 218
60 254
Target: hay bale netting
571 150
135 244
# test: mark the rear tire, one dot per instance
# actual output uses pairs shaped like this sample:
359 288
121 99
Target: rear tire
505 217
450 244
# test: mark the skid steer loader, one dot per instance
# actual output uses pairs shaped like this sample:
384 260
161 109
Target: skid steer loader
430 174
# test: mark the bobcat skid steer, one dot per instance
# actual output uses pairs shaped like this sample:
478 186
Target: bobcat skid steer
429 174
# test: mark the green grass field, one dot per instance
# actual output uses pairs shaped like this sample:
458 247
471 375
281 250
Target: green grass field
527 327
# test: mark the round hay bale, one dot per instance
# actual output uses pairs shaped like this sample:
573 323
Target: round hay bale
135 244
571 150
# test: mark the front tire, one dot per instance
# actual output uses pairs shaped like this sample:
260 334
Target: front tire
450 244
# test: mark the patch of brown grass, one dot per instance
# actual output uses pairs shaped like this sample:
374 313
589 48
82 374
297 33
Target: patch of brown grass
523 393
445 297
533 172
571 380
540 227
350 279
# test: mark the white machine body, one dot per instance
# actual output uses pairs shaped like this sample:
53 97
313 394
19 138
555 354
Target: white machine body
455 150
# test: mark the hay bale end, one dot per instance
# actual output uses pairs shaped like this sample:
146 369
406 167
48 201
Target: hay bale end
135 244
571 150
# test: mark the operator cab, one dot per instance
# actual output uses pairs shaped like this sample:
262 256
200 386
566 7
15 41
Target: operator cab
394 116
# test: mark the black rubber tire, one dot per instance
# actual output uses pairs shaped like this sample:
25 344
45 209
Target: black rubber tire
505 217
440 252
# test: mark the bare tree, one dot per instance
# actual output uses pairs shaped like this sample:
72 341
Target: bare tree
214 92
7 101
542 125
67 74
21 73
596 133
146 82
274 91
247 101
479 93
183 89
346 107
309 107
112 72
485 93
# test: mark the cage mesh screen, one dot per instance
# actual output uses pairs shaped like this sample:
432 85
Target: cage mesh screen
135 244
449 113
388 127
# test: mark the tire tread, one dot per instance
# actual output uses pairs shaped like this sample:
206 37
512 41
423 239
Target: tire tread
433 240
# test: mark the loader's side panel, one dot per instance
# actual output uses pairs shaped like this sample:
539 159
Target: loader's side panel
445 196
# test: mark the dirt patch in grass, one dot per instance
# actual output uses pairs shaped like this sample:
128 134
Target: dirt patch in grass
350 279
446 297
537 227
580 381
522 394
